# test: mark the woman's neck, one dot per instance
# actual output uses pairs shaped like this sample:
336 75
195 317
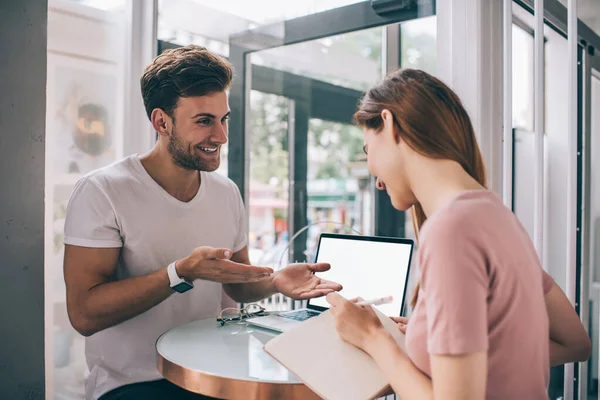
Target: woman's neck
435 182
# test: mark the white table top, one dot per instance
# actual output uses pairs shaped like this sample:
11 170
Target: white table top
226 362
233 351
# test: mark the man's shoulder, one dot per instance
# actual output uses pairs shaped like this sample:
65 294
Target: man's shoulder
117 174
222 183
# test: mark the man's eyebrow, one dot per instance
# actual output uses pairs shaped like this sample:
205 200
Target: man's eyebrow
209 115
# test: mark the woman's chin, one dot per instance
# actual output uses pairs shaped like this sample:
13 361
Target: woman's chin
400 205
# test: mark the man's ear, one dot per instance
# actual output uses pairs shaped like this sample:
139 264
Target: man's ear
161 122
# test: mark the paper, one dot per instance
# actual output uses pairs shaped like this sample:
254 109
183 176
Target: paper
332 368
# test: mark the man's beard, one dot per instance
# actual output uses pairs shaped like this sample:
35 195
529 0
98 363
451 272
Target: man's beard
183 155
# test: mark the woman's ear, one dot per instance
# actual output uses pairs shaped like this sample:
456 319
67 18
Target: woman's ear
389 127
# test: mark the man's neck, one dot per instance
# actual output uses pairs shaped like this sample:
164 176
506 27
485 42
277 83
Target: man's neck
183 184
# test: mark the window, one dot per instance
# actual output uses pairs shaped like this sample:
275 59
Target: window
87 60
269 179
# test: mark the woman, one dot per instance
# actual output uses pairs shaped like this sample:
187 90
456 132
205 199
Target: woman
484 307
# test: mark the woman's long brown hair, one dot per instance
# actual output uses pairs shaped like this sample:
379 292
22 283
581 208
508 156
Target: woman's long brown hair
432 121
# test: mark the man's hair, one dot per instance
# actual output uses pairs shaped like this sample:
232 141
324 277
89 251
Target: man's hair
183 72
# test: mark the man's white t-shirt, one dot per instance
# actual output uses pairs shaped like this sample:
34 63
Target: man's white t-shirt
122 206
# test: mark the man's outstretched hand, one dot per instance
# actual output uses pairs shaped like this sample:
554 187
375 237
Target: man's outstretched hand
298 281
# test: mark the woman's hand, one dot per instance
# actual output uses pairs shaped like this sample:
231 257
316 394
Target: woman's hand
355 324
402 322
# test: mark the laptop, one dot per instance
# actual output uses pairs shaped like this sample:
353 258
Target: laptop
366 266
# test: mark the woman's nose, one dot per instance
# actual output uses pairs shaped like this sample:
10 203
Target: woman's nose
379 184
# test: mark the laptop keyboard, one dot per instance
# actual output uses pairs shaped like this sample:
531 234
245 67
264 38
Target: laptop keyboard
300 315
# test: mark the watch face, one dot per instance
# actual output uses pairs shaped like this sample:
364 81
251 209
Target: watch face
182 287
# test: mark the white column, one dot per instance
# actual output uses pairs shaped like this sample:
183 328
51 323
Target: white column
539 106
571 230
469 60
507 148
142 42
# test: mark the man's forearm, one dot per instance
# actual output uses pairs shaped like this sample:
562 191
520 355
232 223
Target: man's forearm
249 292
111 303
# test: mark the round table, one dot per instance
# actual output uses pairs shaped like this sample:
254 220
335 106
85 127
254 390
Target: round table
226 362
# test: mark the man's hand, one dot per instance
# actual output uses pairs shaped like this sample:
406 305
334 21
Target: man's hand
298 281
212 264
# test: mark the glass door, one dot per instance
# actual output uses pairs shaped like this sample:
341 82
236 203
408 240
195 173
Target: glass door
301 81
314 172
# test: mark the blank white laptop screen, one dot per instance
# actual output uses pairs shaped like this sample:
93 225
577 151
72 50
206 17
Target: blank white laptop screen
367 269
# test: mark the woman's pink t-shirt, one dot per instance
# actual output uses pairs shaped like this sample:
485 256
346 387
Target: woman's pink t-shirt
482 289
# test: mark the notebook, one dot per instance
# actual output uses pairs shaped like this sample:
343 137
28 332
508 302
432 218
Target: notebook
330 367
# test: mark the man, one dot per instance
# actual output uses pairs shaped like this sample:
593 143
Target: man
152 241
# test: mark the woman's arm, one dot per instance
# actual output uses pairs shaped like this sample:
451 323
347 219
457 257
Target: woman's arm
453 377
407 381
569 342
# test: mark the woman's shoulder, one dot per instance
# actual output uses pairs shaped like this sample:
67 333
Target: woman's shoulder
467 215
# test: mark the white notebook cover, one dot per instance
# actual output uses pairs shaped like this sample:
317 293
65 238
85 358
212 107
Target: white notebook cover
332 368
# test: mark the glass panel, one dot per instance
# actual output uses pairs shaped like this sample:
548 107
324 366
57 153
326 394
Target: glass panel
418 42
522 79
84 131
326 59
339 193
269 171
524 137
